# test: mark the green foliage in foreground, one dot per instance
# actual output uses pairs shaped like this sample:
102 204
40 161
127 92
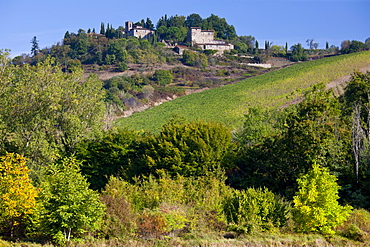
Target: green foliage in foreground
69 207
188 204
256 210
316 207
228 104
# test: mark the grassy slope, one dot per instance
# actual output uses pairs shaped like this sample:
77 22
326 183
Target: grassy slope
228 104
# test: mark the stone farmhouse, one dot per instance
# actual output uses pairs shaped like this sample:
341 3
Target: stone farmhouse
205 39
137 31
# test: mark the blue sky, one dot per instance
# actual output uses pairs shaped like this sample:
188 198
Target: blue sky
278 21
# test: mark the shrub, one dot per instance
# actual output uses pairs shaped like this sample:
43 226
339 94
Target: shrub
163 77
122 66
255 210
210 52
161 221
357 227
73 65
194 59
168 205
187 148
119 221
151 224
354 233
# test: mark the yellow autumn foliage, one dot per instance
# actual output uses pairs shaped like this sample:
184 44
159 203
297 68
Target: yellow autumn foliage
17 194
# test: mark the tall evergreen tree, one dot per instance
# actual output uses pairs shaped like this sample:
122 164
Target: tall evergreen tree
102 29
35 46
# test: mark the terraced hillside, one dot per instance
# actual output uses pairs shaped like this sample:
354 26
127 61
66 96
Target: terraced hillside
228 104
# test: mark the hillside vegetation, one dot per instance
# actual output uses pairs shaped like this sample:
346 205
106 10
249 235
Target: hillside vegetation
228 104
275 159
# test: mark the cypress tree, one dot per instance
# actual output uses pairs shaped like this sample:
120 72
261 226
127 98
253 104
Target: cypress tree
35 46
102 29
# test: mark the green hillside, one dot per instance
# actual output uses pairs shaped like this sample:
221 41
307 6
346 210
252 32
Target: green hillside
228 104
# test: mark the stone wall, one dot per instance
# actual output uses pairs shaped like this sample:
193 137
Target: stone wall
262 65
198 36
219 47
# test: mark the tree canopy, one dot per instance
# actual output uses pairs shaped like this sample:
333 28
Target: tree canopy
69 207
45 111
17 194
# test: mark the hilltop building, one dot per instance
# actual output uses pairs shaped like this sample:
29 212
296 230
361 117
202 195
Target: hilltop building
205 39
137 31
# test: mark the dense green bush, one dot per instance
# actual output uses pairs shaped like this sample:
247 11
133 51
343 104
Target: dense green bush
169 205
163 77
186 148
255 210
122 66
192 58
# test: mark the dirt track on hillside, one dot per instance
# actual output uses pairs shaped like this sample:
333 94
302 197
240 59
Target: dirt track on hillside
340 82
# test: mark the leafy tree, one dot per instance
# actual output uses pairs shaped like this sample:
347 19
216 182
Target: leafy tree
105 157
149 24
258 125
286 47
316 207
176 34
116 49
189 57
310 130
249 40
311 44
67 35
356 103
356 46
189 149
367 43
163 77
161 32
82 43
194 59
73 65
222 28
298 53
193 20
278 50
162 22
17 194
46 111
352 46
122 66
70 208
240 47
176 21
